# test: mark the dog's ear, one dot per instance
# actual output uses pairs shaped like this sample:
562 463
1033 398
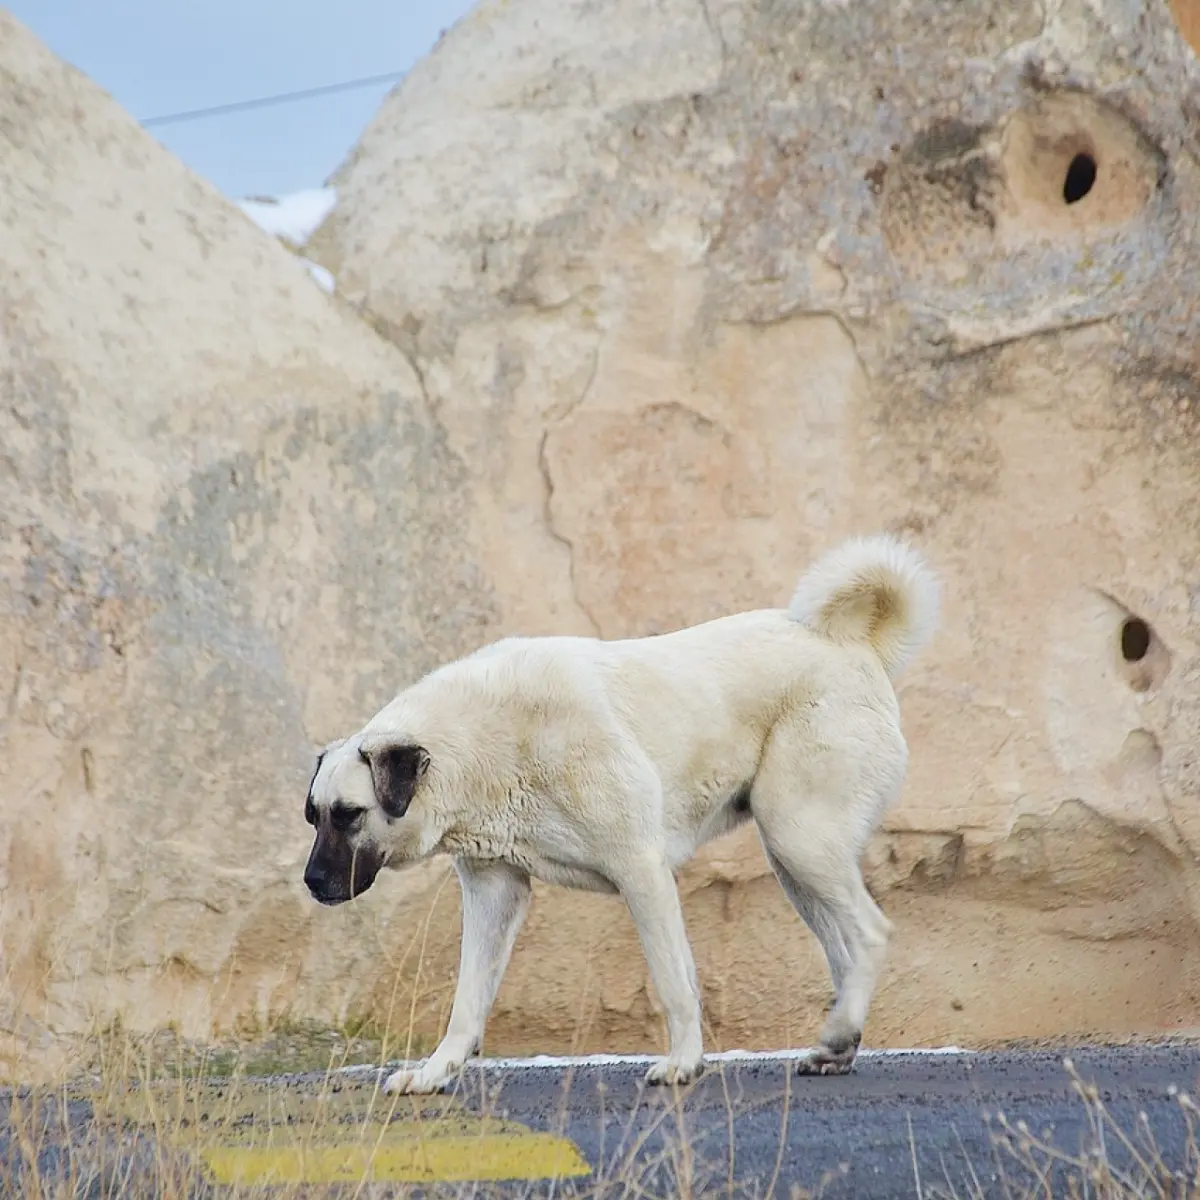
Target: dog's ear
396 769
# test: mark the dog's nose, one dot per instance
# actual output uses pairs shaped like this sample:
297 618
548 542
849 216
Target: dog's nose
316 881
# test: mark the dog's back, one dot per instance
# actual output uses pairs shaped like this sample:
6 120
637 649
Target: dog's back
702 702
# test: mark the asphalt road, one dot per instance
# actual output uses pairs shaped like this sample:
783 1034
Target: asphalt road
905 1125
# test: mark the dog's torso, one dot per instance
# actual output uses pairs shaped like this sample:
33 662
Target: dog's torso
564 756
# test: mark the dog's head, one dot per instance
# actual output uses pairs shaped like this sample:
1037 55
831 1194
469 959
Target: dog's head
359 788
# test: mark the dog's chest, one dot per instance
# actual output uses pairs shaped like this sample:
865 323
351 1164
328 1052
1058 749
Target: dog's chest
544 847
562 874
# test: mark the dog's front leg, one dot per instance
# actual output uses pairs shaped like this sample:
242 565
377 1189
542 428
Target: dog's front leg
649 891
495 899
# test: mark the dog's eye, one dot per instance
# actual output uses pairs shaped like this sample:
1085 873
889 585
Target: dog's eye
341 817
310 811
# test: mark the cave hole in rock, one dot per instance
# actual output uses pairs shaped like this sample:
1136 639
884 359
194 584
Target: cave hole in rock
1135 639
1081 178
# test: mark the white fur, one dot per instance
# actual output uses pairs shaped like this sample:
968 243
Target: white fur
605 765
873 589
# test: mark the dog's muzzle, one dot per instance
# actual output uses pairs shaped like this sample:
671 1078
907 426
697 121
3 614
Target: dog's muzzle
337 872
321 888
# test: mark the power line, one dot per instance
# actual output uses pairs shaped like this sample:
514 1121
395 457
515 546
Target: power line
216 110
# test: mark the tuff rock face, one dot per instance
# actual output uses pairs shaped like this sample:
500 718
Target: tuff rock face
227 520
697 288
639 306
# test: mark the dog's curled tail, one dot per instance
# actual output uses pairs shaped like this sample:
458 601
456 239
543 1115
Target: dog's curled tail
873 589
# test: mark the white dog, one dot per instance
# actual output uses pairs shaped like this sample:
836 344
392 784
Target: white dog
604 765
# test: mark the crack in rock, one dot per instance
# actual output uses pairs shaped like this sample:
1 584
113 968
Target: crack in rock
559 536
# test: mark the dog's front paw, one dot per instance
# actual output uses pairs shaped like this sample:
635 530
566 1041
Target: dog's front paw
424 1081
673 1071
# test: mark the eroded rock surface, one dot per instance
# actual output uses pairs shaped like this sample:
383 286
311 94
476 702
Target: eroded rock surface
639 306
228 523
697 289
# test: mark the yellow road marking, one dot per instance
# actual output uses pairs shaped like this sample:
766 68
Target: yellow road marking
253 1133
490 1158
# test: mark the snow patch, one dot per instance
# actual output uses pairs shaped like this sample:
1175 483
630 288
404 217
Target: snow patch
293 218
616 1060
621 1060
325 280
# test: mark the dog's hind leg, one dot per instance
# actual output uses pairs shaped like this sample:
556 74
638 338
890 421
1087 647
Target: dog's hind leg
815 814
836 891
819 917
649 890
495 899
866 927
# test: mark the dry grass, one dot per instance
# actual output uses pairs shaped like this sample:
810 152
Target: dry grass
138 1116
149 1122
1115 1161
143 1127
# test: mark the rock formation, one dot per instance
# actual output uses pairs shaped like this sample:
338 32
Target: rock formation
229 524
639 306
695 289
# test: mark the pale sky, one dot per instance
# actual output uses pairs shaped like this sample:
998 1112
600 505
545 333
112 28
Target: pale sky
164 56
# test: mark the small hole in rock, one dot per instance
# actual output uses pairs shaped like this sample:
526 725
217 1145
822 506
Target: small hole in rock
1081 177
1135 639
